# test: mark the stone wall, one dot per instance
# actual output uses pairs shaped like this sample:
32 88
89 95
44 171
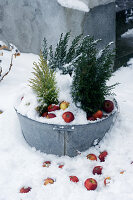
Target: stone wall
25 23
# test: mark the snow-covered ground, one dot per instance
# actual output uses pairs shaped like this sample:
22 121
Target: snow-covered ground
127 34
83 5
75 4
21 165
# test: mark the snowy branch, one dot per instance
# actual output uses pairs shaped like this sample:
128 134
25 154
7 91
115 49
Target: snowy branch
14 52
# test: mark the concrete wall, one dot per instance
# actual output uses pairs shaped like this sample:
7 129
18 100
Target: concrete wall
26 22
100 22
94 3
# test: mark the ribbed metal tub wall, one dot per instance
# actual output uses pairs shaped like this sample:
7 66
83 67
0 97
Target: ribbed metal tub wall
64 139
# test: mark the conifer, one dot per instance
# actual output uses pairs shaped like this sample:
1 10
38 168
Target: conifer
91 70
89 86
63 57
43 84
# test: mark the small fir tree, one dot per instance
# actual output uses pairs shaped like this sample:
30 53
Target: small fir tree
44 84
91 74
63 57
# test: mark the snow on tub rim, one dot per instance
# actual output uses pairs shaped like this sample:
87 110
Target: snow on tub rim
65 139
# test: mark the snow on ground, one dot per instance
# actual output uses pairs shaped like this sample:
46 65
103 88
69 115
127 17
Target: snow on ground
21 165
83 5
128 34
74 4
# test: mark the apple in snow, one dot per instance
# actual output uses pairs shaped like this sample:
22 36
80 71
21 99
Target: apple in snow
61 166
108 106
64 105
48 181
90 184
50 115
53 107
102 156
68 117
98 114
25 189
91 156
46 164
107 180
74 179
90 118
97 170
45 114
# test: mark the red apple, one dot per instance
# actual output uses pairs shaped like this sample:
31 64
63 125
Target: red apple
90 184
91 118
25 189
68 117
107 180
51 115
102 156
91 156
97 170
48 181
64 105
108 106
45 114
98 114
53 107
74 179
46 164
61 166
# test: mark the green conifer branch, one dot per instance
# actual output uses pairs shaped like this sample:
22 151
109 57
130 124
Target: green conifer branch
91 74
44 84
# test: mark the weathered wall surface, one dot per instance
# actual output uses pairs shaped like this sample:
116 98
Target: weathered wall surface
94 3
26 22
100 22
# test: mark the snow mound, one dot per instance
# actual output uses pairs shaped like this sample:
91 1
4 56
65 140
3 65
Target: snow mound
74 4
83 5
127 34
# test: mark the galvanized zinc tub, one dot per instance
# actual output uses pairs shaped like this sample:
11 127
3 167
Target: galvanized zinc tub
64 139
